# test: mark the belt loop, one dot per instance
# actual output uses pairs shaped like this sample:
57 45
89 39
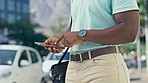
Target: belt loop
89 53
80 57
117 49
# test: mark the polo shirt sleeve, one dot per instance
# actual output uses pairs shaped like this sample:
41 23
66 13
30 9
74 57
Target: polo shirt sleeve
124 5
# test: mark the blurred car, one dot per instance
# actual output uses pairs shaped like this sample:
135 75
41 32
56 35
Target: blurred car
133 62
20 64
129 63
51 59
143 61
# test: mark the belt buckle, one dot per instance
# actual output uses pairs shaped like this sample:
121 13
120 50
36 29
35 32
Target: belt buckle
80 55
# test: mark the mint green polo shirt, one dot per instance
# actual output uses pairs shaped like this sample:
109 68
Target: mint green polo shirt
96 15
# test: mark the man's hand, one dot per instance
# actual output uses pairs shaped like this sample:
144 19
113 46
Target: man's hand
69 39
52 41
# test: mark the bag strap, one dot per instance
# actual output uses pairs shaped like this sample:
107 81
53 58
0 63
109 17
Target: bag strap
67 48
63 56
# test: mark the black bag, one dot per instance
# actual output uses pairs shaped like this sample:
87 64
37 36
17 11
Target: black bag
58 71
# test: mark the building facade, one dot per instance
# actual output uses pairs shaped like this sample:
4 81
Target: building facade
10 12
13 10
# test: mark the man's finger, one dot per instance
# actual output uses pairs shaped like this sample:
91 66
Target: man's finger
48 41
59 39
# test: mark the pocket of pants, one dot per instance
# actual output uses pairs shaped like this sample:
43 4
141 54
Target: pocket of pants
103 62
126 74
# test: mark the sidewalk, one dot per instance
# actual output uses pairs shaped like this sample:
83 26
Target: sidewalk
139 77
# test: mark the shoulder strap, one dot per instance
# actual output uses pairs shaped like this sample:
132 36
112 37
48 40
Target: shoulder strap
63 56
67 48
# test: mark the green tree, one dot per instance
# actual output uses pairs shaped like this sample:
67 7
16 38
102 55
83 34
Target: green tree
23 32
142 12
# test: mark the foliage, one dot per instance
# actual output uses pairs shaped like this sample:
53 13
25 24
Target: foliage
23 33
142 12
126 48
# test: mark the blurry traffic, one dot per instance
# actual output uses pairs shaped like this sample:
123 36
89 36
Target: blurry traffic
20 64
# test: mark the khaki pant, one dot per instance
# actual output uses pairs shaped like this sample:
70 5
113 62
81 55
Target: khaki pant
108 68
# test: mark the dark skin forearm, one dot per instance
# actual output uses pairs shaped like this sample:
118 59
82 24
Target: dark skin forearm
124 32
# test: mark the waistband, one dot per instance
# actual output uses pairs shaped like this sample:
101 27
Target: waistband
91 54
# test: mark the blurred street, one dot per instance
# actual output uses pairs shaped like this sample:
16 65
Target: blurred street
139 77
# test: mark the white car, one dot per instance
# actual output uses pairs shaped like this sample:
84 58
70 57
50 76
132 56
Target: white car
20 64
51 59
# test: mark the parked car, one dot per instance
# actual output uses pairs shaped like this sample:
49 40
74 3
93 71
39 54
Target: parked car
133 63
20 64
51 59
129 63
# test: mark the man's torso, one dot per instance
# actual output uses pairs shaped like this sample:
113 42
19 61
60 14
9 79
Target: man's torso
96 15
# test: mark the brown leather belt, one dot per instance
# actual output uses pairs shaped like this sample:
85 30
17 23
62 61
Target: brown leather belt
92 54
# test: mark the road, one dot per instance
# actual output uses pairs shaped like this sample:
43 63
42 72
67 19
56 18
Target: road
140 78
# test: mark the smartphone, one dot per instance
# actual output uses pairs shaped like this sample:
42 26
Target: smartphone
45 45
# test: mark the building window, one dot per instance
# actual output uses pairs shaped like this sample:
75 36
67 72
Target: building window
24 57
18 7
25 8
34 57
11 18
18 17
11 5
2 15
2 4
